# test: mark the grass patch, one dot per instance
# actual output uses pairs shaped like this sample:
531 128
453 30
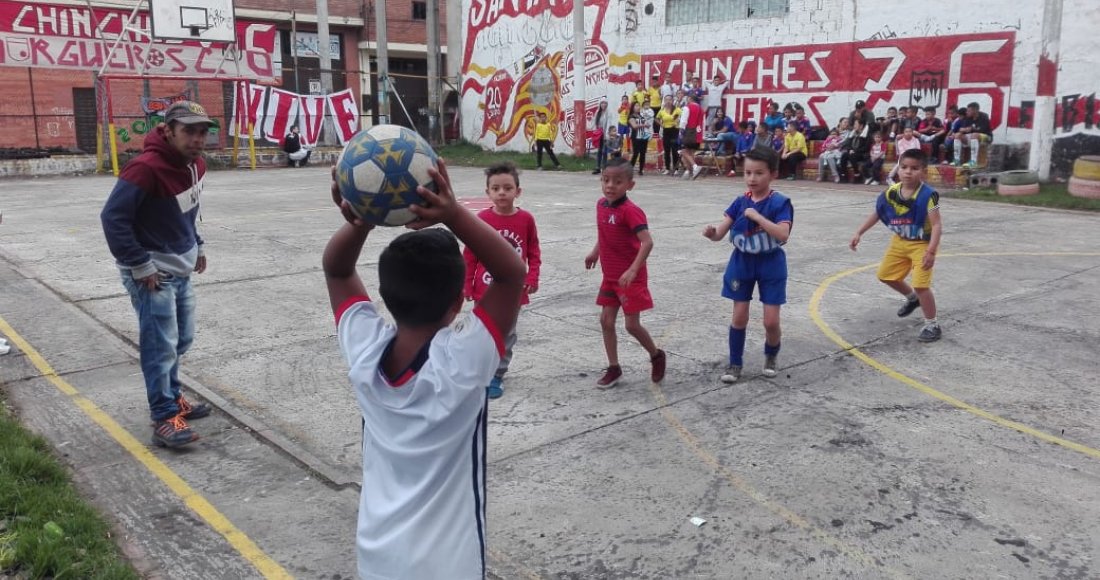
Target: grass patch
46 529
1050 195
468 154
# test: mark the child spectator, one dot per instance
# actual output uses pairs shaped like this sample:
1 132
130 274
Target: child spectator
746 140
906 142
951 124
654 92
641 127
973 131
779 140
911 209
909 119
872 169
774 119
712 101
639 96
669 120
891 124
624 121
800 120
726 134
856 152
692 119
931 130
794 150
830 157
763 137
758 223
544 141
622 247
517 226
421 386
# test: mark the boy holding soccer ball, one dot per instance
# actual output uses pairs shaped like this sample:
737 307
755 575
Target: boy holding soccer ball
421 385
758 224
517 226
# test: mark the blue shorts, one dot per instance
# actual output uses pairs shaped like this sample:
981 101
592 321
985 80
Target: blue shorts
768 271
624 130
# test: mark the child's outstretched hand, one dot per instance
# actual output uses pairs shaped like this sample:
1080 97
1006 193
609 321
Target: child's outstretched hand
345 207
710 232
591 259
441 206
855 242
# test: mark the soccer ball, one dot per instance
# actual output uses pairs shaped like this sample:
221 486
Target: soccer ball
379 170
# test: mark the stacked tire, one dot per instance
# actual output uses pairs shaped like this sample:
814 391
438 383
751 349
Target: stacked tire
1017 183
1085 181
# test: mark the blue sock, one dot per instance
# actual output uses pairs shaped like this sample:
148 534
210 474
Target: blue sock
737 345
770 350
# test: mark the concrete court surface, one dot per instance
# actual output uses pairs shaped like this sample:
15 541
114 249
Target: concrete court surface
833 469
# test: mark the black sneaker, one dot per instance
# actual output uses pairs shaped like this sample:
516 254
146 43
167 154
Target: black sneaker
908 308
191 412
173 432
930 333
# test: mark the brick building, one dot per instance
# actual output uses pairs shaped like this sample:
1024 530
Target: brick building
50 52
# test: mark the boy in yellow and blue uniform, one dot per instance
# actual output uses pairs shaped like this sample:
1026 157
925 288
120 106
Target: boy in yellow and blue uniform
910 209
757 223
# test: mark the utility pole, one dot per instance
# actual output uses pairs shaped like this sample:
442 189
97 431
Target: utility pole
382 58
434 79
326 67
1042 128
580 125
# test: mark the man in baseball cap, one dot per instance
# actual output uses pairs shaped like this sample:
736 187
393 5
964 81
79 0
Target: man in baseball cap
187 113
865 116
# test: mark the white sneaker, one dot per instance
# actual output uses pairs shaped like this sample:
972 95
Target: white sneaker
732 374
664 172
874 182
686 174
696 171
867 181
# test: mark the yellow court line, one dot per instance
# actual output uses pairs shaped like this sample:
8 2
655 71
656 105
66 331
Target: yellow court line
754 494
815 314
198 504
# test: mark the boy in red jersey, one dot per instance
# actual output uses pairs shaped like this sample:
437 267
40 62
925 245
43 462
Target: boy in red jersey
622 246
518 228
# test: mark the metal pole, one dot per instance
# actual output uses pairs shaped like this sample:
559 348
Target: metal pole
294 49
382 57
579 124
326 67
34 109
434 87
1042 132
454 54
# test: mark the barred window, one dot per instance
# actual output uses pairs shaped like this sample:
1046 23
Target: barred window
681 12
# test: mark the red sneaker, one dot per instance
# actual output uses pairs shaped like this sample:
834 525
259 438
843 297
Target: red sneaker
610 377
658 361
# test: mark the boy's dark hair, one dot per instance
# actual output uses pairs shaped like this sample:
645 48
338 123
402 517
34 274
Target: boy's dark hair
420 276
743 125
765 154
974 106
930 109
501 168
916 155
961 111
620 164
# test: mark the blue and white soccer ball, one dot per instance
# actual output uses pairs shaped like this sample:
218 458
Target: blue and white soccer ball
379 170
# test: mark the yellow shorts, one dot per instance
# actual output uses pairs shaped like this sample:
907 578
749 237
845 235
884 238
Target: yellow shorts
903 256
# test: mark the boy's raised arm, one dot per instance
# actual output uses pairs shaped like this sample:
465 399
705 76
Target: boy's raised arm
338 263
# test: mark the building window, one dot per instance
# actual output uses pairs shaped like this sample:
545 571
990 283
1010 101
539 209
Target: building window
681 12
420 10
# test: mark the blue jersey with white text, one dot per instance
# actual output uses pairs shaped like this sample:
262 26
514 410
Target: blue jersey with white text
756 253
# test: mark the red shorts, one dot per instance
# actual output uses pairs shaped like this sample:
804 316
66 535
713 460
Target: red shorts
634 298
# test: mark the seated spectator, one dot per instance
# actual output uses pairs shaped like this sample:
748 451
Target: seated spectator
866 118
763 136
830 156
974 130
726 134
746 139
951 125
774 120
801 121
909 119
794 150
891 124
908 140
779 141
873 166
856 150
931 130
297 155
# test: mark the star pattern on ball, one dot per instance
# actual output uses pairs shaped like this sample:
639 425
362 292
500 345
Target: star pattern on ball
391 155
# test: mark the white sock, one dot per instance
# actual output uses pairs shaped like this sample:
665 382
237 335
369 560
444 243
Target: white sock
931 322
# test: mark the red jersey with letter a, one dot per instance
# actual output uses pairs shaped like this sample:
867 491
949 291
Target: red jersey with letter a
520 231
618 225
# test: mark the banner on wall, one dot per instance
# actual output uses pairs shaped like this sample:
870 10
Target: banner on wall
271 112
58 36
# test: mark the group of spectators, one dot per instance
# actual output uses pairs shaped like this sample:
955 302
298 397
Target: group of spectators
686 116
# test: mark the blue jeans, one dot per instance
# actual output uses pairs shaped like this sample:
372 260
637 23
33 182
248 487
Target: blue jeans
166 329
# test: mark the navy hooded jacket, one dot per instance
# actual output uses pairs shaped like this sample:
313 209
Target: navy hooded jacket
149 218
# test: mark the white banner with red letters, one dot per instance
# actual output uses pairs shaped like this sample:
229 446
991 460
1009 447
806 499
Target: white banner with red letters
271 112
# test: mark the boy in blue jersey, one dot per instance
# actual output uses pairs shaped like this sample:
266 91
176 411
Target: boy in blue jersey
910 209
758 224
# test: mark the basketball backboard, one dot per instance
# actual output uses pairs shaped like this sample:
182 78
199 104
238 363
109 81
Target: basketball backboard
210 20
